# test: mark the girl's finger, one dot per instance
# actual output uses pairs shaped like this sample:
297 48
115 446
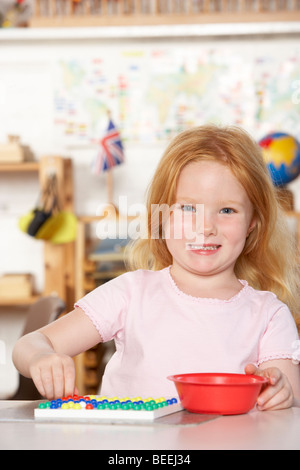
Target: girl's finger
69 377
58 380
37 380
283 399
47 381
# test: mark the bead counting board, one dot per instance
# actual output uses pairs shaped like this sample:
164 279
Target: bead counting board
92 408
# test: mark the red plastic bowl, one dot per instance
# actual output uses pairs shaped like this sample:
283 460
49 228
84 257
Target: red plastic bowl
218 393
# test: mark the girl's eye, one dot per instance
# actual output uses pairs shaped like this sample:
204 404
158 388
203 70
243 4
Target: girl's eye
188 208
227 210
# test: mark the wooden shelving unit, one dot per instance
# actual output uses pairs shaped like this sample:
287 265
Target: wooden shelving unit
59 260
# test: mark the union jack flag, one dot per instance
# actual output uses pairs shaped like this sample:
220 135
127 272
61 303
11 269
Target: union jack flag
111 152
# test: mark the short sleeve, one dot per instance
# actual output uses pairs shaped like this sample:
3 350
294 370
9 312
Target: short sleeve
106 306
278 339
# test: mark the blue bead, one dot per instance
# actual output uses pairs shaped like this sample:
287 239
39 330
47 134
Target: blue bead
174 400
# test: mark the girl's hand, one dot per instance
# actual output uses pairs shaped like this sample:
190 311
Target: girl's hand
53 375
278 393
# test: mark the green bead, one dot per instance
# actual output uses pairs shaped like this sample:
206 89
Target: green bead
125 407
42 406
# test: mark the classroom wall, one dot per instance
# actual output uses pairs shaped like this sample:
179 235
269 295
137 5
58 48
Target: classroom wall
55 94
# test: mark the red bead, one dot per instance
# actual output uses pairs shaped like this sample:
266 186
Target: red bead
89 406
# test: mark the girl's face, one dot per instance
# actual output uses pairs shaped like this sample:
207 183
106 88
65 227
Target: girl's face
211 220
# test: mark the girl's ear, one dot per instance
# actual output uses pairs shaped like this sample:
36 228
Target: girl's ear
251 226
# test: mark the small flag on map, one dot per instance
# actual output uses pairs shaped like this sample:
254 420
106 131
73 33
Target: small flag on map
111 152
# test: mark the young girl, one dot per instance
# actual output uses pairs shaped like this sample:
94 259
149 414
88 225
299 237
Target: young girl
204 297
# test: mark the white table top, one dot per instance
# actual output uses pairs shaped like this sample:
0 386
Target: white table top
256 430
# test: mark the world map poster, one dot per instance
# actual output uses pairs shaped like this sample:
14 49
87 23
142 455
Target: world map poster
152 93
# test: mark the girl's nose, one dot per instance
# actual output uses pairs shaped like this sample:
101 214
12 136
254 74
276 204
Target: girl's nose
209 226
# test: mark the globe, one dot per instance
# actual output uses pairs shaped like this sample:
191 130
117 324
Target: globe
281 152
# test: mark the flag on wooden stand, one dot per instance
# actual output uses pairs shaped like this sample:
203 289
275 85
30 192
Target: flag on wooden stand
111 152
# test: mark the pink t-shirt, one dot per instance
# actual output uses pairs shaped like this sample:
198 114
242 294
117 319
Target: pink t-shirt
160 331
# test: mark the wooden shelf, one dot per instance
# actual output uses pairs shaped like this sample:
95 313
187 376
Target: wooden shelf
18 302
111 256
49 13
151 20
19 167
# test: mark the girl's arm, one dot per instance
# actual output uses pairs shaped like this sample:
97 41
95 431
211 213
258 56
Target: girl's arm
46 355
283 390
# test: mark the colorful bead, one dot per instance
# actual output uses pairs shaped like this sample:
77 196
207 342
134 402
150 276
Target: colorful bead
90 402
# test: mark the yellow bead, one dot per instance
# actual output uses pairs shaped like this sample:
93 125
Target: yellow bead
65 406
77 406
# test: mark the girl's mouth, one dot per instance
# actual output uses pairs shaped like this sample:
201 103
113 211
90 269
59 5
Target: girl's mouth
202 248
